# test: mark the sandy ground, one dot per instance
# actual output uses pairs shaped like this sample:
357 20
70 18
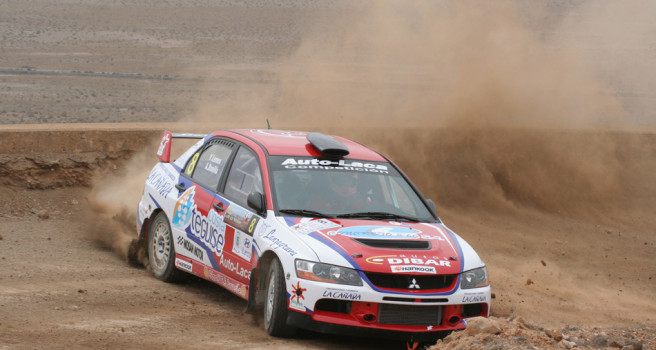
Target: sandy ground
66 281
541 155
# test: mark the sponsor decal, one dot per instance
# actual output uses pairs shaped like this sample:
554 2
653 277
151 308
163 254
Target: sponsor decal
192 163
210 229
297 299
413 260
280 133
167 170
398 223
165 140
212 168
382 232
231 266
184 206
474 298
160 183
341 294
266 233
262 229
184 265
310 226
216 160
380 259
191 247
224 281
326 164
413 268
243 245
241 219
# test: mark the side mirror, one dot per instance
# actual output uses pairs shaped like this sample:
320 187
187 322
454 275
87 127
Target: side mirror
256 202
431 205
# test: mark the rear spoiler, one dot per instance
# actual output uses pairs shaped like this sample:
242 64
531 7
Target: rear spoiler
164 150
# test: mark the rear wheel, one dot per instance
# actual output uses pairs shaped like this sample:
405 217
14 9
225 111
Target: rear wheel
161 252
275 307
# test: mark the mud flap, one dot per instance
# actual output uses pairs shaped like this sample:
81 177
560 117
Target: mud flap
253 294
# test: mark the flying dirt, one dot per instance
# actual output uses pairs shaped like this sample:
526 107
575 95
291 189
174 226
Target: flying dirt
529 124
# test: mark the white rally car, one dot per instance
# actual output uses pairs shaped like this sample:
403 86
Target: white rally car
320 232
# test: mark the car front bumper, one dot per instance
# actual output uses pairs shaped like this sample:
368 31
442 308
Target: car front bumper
404 316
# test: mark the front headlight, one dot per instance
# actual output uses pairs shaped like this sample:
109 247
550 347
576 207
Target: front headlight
474 278
316 271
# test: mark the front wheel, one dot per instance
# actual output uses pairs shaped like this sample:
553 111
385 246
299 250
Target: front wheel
161 252
275 308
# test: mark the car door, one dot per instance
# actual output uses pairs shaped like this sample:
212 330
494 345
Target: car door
197 220
243 177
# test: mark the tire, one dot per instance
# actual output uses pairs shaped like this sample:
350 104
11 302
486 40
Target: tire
161 250
275 306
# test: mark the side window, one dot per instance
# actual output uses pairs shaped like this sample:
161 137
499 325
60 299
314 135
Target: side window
206 166
244 176
394 194
400 197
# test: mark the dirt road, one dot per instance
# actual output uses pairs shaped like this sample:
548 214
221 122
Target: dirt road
66 281
61 289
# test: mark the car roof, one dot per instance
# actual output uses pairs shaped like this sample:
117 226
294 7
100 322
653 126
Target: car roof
295 143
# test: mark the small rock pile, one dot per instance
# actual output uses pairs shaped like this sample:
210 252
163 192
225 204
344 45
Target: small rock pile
515 333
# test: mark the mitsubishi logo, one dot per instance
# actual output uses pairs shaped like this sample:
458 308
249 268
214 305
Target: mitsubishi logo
413 284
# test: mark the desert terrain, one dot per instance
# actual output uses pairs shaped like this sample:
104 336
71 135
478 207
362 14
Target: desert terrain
530 124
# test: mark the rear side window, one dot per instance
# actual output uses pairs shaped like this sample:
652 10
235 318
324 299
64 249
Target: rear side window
206 166
244 177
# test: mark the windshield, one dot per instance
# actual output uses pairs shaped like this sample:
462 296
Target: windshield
318 187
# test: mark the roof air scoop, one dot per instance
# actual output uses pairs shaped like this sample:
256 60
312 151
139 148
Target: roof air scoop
327 145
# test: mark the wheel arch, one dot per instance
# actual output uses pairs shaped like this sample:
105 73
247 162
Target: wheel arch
263 267
258 281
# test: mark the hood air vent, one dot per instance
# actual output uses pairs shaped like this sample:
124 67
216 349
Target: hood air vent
327 145
394 243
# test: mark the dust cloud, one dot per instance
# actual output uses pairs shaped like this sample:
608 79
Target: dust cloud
490 104
112 201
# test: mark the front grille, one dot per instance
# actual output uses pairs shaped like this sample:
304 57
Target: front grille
415 300
410 315
411 282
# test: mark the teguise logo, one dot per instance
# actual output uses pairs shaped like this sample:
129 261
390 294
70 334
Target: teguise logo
210 229
378 232
184 207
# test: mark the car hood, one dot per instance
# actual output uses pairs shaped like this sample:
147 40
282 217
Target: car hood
382 246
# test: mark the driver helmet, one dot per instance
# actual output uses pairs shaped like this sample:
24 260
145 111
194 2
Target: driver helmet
344 184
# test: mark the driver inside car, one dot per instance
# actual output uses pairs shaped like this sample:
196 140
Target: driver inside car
339 196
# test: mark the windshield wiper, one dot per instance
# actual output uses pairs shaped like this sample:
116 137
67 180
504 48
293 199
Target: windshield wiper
305 213
377 215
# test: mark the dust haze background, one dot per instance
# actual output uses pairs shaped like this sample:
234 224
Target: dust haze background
463 63
502 84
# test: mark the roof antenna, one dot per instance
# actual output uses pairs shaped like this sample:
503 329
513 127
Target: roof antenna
268 125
